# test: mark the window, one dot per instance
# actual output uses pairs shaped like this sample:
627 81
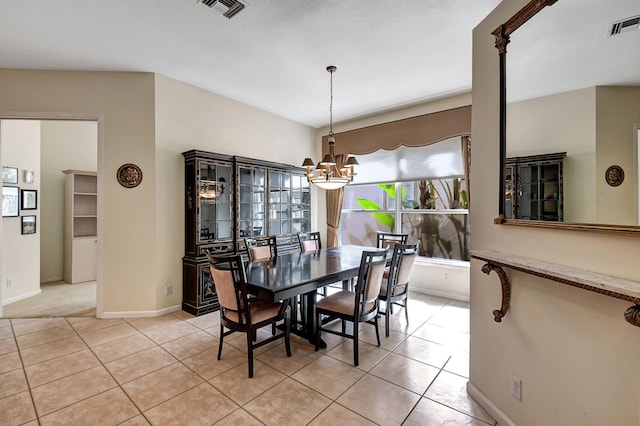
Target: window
432 211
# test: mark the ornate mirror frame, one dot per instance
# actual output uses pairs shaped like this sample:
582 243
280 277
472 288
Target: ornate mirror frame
502 34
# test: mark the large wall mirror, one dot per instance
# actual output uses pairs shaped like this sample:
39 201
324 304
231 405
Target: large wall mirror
570 115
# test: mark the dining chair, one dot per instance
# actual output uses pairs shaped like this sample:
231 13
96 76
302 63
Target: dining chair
261 248
389 239
243 312
360 305
309 241
395 289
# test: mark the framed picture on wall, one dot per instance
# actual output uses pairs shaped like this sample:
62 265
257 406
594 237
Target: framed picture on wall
10 201
28 225
29 199
9 175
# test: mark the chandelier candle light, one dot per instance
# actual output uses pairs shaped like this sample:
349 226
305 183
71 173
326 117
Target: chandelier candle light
327 175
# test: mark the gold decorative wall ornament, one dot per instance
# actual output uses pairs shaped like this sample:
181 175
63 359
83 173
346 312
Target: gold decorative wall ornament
614 175
129 175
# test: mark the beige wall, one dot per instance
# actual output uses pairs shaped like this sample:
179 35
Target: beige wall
191 118
124 105
141 236
20 261
572 349
559 123
618 117
64 145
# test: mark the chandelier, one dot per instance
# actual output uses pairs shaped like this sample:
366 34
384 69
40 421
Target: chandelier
212 189
327 174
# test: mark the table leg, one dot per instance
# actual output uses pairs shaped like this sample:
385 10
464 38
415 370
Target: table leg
310 301
346 284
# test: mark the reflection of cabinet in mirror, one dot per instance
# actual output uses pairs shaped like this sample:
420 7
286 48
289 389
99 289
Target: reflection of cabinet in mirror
80 226
533 187
230 198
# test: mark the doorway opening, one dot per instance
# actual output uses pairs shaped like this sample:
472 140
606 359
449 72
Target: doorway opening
35 281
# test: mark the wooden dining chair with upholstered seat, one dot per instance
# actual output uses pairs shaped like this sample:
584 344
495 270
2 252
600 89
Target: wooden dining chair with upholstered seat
243 312
261 248
394 289
309 241
360 305
389 239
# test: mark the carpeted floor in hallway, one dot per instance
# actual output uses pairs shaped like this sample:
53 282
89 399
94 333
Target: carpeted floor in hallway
58 299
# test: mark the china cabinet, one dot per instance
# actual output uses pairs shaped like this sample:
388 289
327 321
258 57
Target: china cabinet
227 199
533 187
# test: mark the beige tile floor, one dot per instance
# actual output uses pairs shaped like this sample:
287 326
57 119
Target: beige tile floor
163 371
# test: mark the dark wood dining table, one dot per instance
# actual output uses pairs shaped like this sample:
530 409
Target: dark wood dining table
301 274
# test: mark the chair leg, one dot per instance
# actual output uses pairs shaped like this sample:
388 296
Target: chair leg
386 321
316 331
287 333
250 352
355 342
375 319
220 344
406 311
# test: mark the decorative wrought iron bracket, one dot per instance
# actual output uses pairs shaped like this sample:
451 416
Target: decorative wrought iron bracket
506 289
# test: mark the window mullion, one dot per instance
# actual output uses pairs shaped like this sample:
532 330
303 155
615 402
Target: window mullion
397 224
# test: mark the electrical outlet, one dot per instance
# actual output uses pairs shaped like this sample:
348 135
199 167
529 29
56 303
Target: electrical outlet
516 388
168 290
9 282
446 278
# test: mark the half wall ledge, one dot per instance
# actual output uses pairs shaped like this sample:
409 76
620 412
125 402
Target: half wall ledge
607 285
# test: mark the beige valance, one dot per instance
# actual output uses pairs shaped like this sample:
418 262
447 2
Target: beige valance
415 131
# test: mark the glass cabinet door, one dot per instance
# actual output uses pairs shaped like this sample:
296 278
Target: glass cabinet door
510 188
300 205
550 192
279 202
252 205
528 183
215 218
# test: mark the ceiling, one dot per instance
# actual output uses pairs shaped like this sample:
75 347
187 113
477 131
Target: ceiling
567 47
272 55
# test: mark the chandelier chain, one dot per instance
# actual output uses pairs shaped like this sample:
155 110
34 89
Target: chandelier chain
331 105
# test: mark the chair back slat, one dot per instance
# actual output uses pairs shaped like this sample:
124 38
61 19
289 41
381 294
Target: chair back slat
309 245
229 279
406 266
370 274
389 239
225 288
261 248
261 253
309 241
374 282
402 261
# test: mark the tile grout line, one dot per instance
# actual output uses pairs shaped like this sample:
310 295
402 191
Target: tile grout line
24 371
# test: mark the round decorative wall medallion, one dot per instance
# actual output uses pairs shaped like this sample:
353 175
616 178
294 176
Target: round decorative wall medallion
614 175
129 175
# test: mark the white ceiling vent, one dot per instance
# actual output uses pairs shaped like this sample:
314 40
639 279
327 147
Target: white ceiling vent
627 24
228 8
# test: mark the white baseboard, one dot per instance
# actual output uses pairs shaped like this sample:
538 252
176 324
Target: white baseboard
454 296
489 406
21 297
140 314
